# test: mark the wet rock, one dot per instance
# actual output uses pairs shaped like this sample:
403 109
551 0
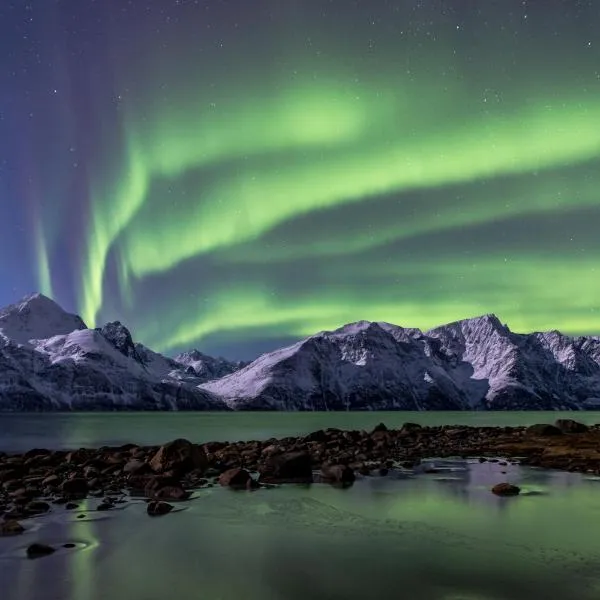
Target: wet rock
337 474
380 427
179 456
153 484
171 492
51 481
235 478
571 426
157 509
39 550
71 506
78 457
543 429
137 467
10 527
104 506
76 487
410 427
506 489
289 467
37 507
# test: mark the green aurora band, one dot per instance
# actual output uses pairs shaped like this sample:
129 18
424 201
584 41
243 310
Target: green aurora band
332 173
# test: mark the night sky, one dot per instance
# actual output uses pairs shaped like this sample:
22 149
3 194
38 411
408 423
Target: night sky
235 174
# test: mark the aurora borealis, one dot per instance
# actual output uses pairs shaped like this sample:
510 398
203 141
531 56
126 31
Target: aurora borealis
233 175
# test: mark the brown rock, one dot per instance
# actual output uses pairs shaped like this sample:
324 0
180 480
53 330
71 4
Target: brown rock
171 492
338 474
571 426
180 456
76 487
51 481
10 527
506 489
543 429
37 507
136 467
235 478
157 509
290 467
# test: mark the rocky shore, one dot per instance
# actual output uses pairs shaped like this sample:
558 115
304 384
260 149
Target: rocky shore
42 480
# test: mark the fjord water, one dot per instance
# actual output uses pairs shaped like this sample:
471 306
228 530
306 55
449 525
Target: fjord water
427 536
20 432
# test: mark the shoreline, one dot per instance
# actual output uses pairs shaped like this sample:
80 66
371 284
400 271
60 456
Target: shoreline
39 481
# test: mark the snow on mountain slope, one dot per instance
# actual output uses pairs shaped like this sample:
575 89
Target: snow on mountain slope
87 369
49 360
359 366
207 367
36 317
474 363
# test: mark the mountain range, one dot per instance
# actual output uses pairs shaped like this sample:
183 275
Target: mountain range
50 360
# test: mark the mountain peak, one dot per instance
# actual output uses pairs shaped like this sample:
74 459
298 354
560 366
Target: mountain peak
36 317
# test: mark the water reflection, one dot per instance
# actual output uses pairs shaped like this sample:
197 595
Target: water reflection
436 536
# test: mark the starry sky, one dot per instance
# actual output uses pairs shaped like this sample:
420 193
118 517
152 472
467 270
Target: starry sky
235 174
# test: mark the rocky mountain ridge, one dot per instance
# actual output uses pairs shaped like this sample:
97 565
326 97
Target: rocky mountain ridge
49 360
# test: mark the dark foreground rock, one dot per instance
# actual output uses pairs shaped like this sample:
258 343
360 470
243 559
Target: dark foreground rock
39 550
42 481
158 509
506 489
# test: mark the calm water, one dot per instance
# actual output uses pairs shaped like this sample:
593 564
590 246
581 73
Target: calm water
439 536
75 430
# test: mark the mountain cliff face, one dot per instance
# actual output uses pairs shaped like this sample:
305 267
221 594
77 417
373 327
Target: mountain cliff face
49 360
207 367
471 364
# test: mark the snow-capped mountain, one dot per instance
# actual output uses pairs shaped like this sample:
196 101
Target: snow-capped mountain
49 360
475 363
207 367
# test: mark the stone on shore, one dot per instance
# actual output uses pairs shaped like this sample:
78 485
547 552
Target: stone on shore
10 527
506 489
238 479
571 426
179 456
289 467
75 488
543 429
39 550
171 492
337 474
157 508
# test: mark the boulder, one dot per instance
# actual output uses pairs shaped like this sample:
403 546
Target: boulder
238 479
10 527
75 488
136 467
39 550
337 474
157 509
543 429
506 489
171 492
571 426
289 467
179 456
